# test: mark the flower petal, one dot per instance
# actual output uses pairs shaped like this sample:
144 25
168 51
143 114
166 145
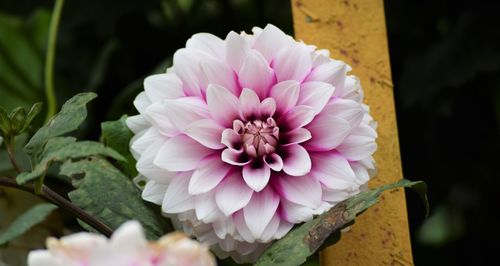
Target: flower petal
208 175
157 116
297 117
82 242
223 227
303 190
183 111
177 198
274 161
360 144
267 108
361 173
137 123
295 213
186 66
223 105
256 175
207 43
231 139
333 72
147 168
249 104
42 258
293 63
242 227
216 72
181 153
163 86
320 57
349 110
232 194
236 48
315 94
327 133
206 132
333 170
141 102
141 142
352 89
335 195
296 160
283 229
260 210
271 229
270 41
256 74
154 192
206 209
357 147
233 157
129 237
296 136
286 95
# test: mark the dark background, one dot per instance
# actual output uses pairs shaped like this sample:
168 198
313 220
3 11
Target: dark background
445 58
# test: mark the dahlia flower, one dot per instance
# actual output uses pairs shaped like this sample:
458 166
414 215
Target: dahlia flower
245 137
127 247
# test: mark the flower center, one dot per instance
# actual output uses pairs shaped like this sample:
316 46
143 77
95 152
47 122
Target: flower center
258 137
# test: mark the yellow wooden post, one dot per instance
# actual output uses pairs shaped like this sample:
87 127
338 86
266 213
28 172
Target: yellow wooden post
354 31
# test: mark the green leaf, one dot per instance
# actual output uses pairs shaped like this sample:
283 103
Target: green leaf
17 121
21 58
116 135
106 193
305 240
33 112
23 223
446 224
72 114
17 118
59 149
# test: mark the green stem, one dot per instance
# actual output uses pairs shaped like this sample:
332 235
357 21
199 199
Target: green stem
49 60
12 155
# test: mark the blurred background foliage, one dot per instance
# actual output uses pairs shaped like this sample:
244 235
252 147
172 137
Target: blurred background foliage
446 68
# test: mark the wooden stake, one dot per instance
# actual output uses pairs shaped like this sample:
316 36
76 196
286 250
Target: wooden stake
354 31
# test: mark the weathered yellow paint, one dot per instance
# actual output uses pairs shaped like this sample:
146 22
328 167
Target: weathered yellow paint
354 31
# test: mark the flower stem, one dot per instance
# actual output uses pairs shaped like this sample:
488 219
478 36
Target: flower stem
12 155
49 60
51 196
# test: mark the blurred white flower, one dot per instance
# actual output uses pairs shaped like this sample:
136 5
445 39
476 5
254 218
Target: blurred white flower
127 247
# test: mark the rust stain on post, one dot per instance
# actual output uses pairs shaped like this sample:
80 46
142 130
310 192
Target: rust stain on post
354 31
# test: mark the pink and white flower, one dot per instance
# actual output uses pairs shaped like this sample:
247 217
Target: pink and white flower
244 137
127 247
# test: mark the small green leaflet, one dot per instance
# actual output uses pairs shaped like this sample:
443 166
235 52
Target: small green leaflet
17 121
71 116
109 195
116 135
306 239
33 112
23 223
